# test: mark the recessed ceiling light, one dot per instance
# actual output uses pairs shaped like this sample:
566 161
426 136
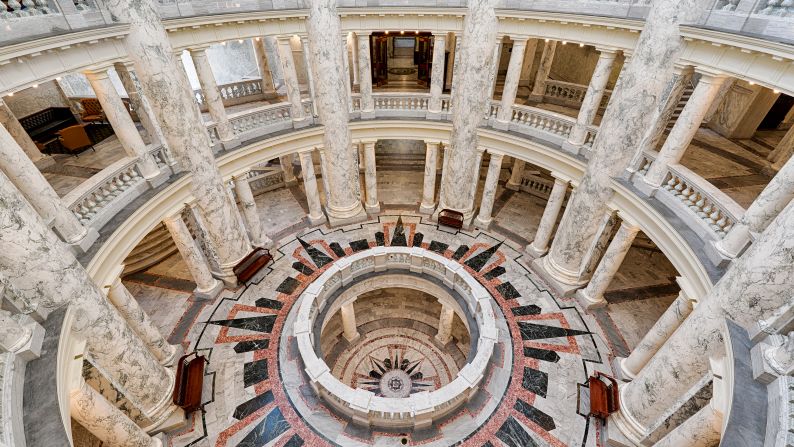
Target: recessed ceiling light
564 42
402 32
35 85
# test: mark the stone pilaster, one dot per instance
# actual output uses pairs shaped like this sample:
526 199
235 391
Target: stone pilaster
324 28
542 75
213 98
207 287
309 76
540 244
316 216
20 135
429 185
470 101
139 102
516 175
365 76
437 74
348 314
291 80
484 218
370 176
242 187
511 82
444 334
592 99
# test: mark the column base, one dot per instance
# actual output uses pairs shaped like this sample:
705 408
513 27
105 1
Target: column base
716 255
620 372
83 244
434 115
622 431
535 98
353 339
513 186
427 208
587 302
442 341
367 114
644 187
227 272
230 144
299 123
210 294
291 183
372 209
536 252
482 223
160 178
178 352
265 243
571 148
334 221
559 286
175 420
499 124
316 220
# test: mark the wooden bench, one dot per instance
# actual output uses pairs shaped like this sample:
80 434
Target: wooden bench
189 382
251 264
450 218
604 395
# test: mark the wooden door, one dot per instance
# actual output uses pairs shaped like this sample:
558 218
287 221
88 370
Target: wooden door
379 57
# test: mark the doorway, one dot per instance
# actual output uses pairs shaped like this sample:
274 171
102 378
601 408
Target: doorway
401 61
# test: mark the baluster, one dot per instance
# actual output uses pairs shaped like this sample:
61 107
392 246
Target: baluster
16 9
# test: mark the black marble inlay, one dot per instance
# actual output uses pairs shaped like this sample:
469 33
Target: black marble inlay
248 407
380 239
462 250
532 331
273 426
260 324
251 345
438 247
513 434
359 245
294 441
507 291
535 381
487 444
302 268
254 372
525 310
545 421
478 261
398 240
494 272
319 258
288 285
418 238
542 354
268 303
337 249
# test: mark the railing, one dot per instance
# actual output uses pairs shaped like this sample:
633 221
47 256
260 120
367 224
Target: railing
265 179
235 93
537 186
569 94
401 104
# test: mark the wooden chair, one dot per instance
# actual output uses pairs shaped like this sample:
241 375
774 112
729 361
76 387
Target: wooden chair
189 382
92 111
604 396
251 264
75 139
450 218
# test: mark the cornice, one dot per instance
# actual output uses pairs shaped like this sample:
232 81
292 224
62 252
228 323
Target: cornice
747 44
35 47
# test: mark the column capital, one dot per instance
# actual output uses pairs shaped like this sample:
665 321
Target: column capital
558 176
363 33
437 37
436 142
98 72
198 49
495 153
283 38
683 69
128 65
519 40
628 222
367 142
710 76
607 52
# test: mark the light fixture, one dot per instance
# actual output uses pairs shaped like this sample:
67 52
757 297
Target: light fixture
11 94
402 32
416 32
752 83
223 43
546 40
239 40
386 32
775 91
258 39
58 78
581 45
564 42
35 86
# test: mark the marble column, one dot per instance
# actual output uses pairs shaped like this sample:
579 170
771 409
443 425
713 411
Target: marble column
496 59
354 48
286 167
772 199
783 151
268 87
592 99
19 134
213 98
46 274
752 288
664 327
455 64
470 101
365 76
166 86
348 314
316 216
37 190
484 218
437 74
291 79
529 60
242 188
138 102
324 28
123 126
511 81
628 115
516 175
540 244
444 334
684 129
309 76
346 72
539 87
324 170
429 186
370 176
592 296
140 323
207 287
106 422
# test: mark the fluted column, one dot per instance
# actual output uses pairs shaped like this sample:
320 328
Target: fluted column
316 215
470 101
207 286
516 175
346 72
324 28
309 76
34 186
138 102
437 74
46 274
592 99
539 87
18 133
750 290
213 98
348 314
268 87
140 323
123 126
444 334
106 422
370 176
365 75
511 81
484 218
286 167
242 187
592 296
540 244
429 185
664 327
291 80
684 129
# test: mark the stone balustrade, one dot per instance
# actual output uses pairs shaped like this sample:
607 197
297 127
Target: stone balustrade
265 179
241 92
400 104
550 126
569 94
537 186
420 409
